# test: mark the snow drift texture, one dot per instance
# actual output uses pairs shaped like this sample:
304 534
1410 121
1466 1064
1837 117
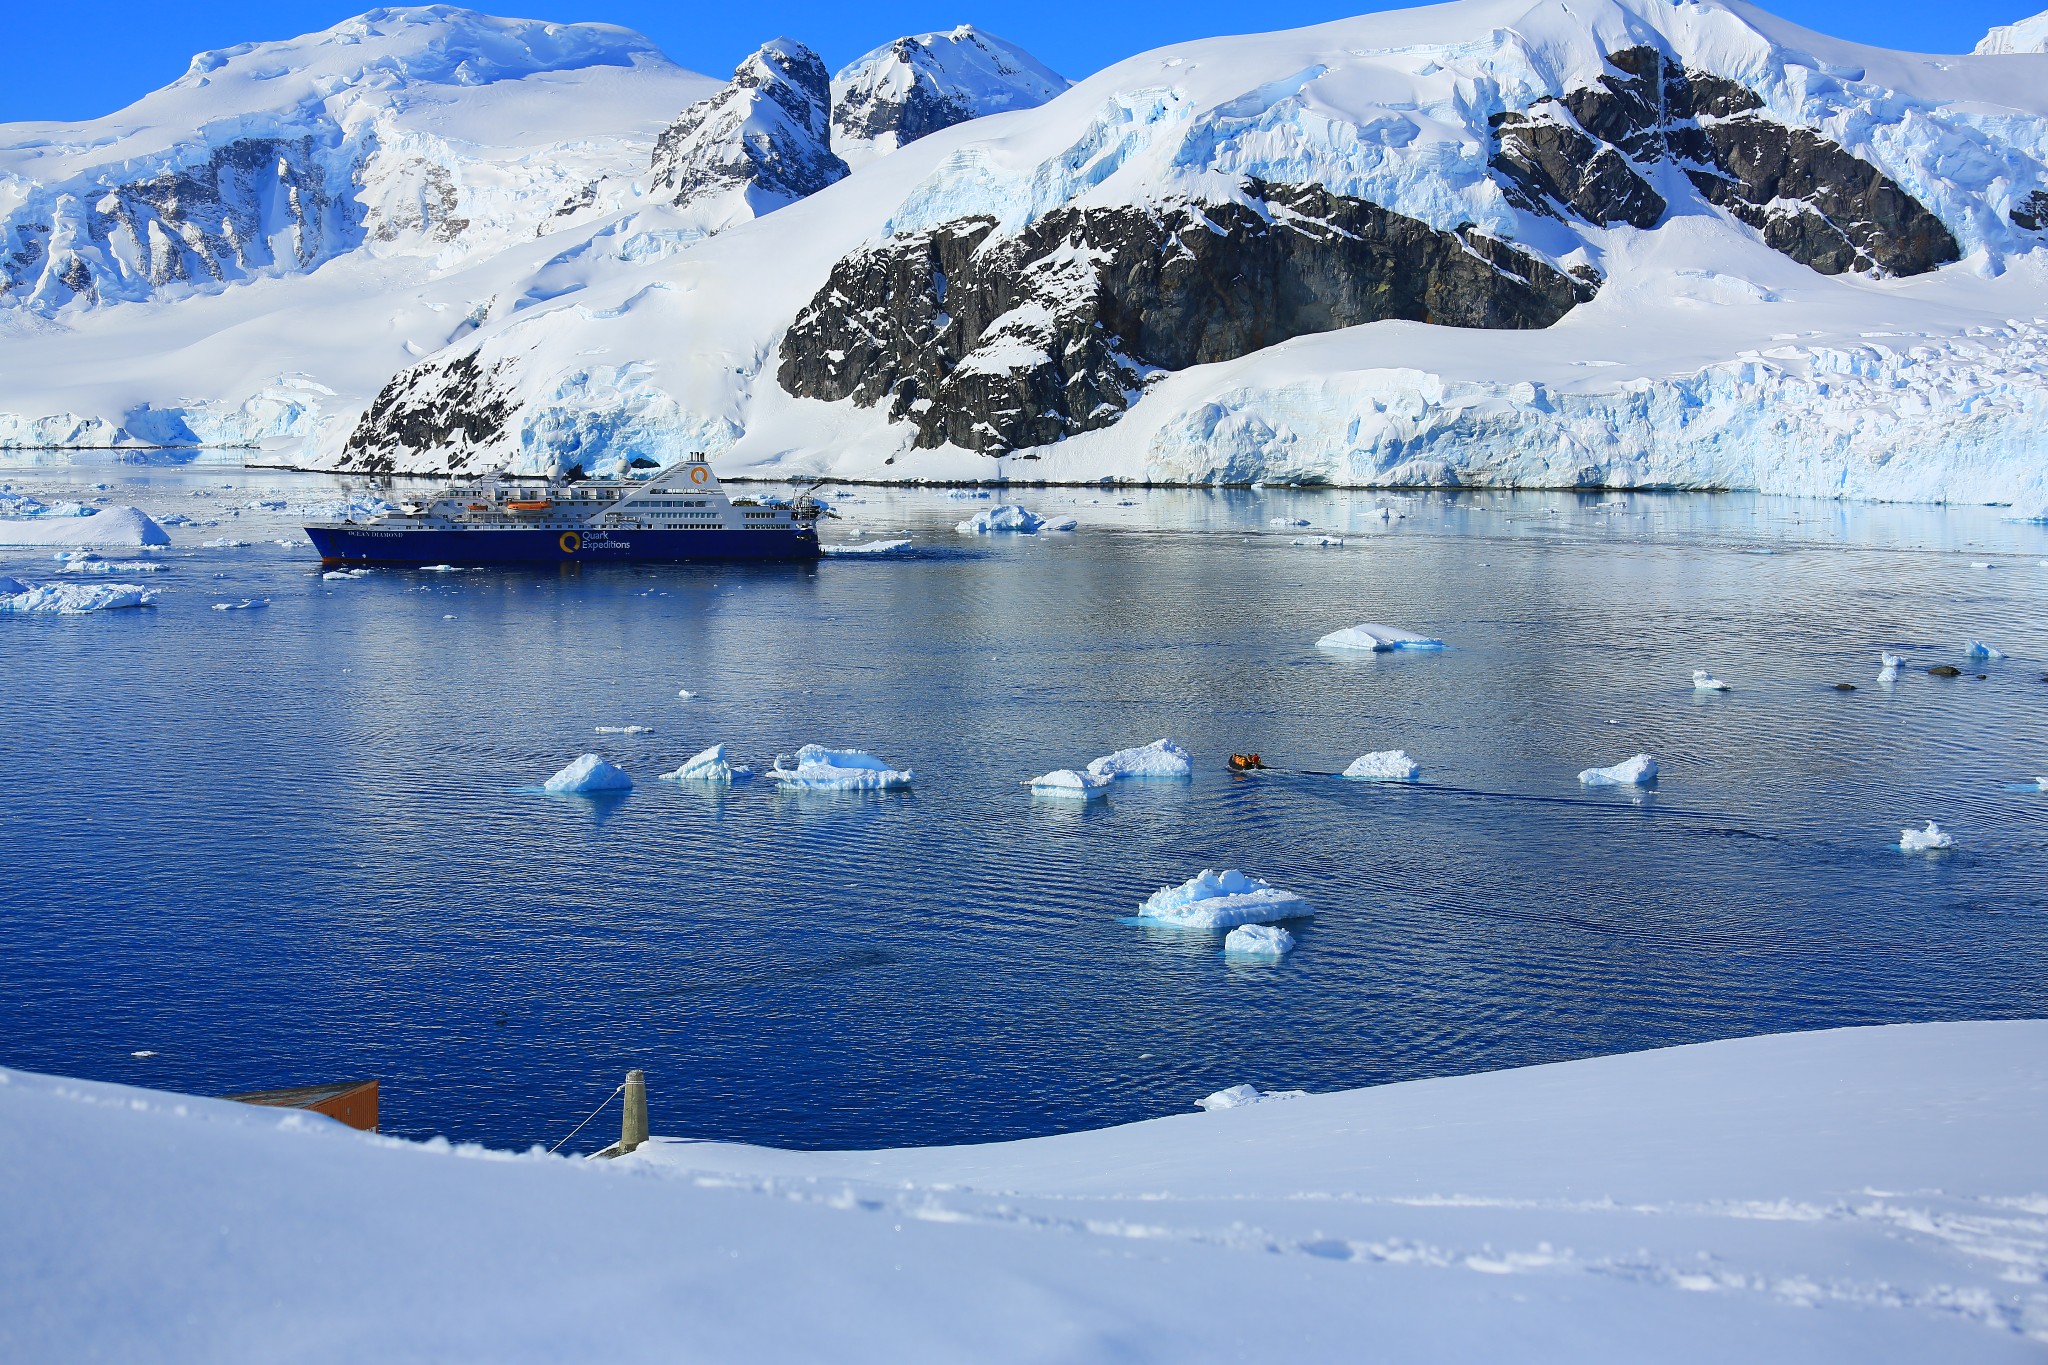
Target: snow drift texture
1688 246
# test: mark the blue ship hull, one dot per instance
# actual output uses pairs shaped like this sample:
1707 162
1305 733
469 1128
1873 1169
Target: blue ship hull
370 545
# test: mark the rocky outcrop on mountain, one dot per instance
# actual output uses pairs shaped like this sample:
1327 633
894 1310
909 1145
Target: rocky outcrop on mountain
915 86
2032 212
996 343
762 142
454 406
1590 152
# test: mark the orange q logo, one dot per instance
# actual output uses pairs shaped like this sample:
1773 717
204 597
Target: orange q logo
571 542
699 474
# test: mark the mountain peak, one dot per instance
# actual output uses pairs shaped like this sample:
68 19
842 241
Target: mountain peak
914 86
2027 35
760 143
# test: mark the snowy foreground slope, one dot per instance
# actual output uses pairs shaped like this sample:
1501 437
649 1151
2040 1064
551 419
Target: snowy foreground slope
1866 1194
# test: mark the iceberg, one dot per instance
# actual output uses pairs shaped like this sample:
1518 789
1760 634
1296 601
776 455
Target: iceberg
1389 765
1238 1096
870 547
1221 900
84 561
1161 759
623 730
818 768
246 604
1064 524
1640 771
1889 672
1982 652
710 766
1376 638
71 599
1258 941
1072 785
1007 518
1703 681
590 774
1930 840
125 526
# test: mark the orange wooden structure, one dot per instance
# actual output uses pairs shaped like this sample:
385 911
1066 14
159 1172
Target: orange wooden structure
352 1102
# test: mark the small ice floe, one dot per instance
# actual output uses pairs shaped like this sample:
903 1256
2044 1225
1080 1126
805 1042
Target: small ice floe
1376 638
1238 1096
1289 522
291 544
430 568
1980 564
124 526
1161 759
1889 666
1703 681
1320 542
144 1052
1070 785
333 574
71 599
1268 942
85 561
225 544
817 768
1221 900
1063 524
1640 771
623 730
1930 840
1388 765
870 547
1981 652
686 694
590 774
246 604
710 766
1006 519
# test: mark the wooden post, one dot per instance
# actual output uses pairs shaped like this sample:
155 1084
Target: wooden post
633 1123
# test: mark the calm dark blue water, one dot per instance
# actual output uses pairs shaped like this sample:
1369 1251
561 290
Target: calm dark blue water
285 846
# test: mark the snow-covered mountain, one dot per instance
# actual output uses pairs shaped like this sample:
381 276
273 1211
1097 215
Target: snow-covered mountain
2028 35
1596 243
915 86
762 142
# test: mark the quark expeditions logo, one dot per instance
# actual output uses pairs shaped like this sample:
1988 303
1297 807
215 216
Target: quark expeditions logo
571 542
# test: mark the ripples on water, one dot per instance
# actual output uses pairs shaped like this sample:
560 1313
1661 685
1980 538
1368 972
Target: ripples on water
288 846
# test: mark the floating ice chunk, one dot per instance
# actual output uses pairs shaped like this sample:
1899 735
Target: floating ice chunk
246 604
1072 785
1267 941
818 768
1006 518
1238 1096
1980 564
872 547
590 774
1890 670
84 561
710 766
1928 840
1703 681
225 544
2041 784
624 730
1320 542
1376 638
1221 900
1063 524
1388 765
144 1052
114 526
1640 771
1981 651
1287 521
71 599
427 568
347 573
1162 758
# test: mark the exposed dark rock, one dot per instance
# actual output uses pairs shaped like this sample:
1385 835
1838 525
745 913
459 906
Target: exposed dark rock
454 405
1845 687
1946 671
998 342
1589 153
766 135
2032 213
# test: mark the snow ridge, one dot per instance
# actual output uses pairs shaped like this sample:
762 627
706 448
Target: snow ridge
915 86
759 144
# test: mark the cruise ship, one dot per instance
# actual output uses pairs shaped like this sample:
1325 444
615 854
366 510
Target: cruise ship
680 513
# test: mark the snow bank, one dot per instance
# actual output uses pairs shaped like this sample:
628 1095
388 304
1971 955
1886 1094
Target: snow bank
1640 771
870 547
1072 785
71 599
590 774
1703 681
1007 518
1376 638
818 768
1929 840
1241 1096
1267 941
1221 900
710 766
1161 759
128 526
1388 765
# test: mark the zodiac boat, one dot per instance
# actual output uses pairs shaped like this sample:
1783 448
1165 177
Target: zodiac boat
681 513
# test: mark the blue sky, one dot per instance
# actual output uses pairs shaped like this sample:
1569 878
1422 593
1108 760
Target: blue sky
67 64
